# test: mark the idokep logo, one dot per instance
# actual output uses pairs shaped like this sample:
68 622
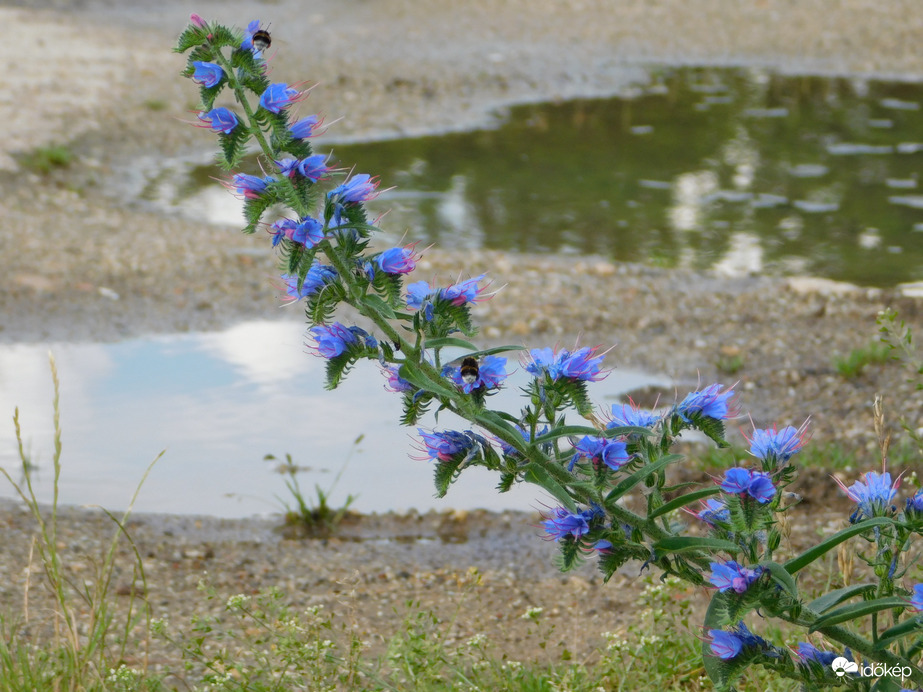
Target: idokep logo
841 666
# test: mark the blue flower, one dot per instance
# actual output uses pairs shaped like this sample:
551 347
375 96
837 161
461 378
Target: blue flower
314 167
731 576
332 341
710 402
448 445
563 522
629 414
288 167
309 232
713 511
582 364
777 446
465 292
304 128
916 602
398 260
491 373
725 645
914 505
396 383
278 97
283 228
808 652
359 188
250 186
318 276
873 497
739 481
220 120
207 74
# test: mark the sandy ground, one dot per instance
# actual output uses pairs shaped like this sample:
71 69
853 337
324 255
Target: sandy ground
76 263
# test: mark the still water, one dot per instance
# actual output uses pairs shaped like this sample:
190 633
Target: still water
739 170
217 403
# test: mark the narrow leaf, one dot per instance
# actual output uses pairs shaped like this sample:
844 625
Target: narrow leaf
377 304
539 476
781 577
809 556
685 544
683 500
416 378
854 611
828 600
640 475
449 341
912 626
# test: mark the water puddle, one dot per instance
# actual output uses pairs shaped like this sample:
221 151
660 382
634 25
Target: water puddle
218 403
691 166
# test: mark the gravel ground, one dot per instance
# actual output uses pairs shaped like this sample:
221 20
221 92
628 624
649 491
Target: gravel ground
76 263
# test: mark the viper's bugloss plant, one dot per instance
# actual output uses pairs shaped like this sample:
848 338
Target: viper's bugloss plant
610 481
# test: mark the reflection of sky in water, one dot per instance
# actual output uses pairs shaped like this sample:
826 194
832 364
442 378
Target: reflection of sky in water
217 403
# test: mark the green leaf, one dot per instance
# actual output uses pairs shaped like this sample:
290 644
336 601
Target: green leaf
854 611
449 341
809 556
378 305
539 476
913 625
640 475
567 431
685 544
781 577
682 501
828 600
416 378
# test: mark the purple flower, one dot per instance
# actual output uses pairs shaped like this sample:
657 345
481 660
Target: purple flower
756 484
582 364
332 341
731 576
873 497
710 402
359 188
207 74
713 511
309 232
250 186
288 167
491 373
398 260
278 97
465 292
197 21
629 414
219 120
448 445
314 167
318 276
562 522
725 645
808 652
736 481
915 504
777 446
396 383
304 128
283 228
916 602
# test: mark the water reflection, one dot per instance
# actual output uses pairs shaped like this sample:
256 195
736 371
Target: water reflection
218 403
675 173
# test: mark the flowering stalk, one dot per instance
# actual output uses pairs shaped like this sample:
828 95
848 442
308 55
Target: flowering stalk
589 468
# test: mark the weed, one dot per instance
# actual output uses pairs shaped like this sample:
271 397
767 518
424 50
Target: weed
859 358
44 160
307 519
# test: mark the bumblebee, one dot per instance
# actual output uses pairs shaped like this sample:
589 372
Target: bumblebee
261 40
470 371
